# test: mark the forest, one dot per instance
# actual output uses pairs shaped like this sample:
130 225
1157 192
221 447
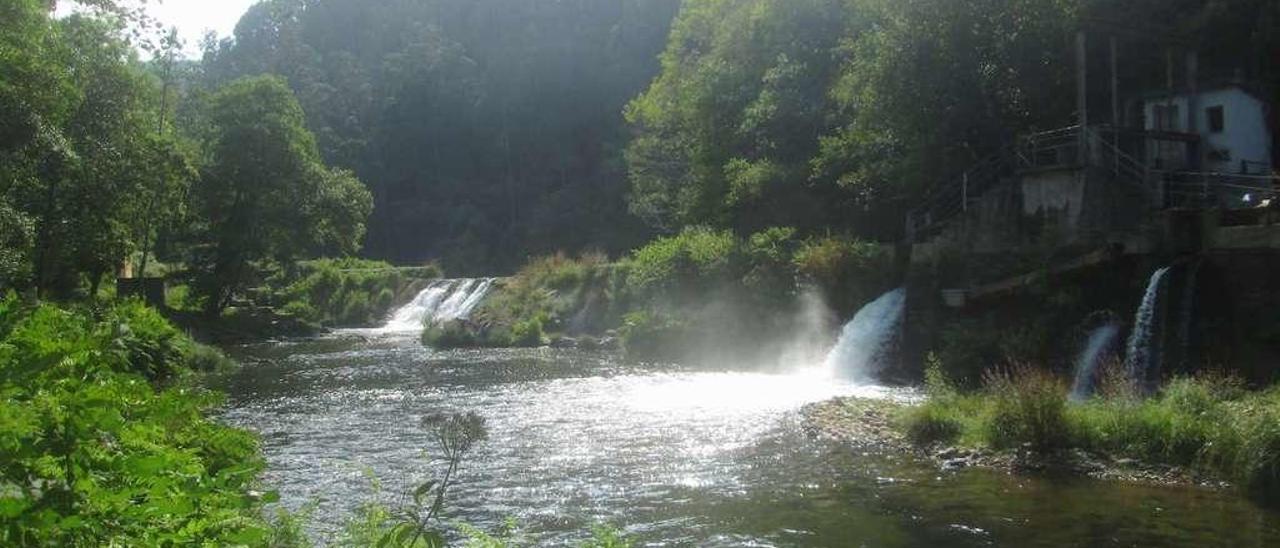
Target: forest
689 182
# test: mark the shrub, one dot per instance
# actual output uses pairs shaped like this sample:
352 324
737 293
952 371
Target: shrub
545 296
932 423
450 335
346 292
528 333
652 335
695 259
119 459
850 271
1029 406
206 359
146 342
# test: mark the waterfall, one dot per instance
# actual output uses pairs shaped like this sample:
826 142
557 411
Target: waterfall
868 339
1143 347
441 301
1100 341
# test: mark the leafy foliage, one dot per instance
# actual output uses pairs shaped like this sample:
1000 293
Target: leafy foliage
346 292
97 451
265 194
488 130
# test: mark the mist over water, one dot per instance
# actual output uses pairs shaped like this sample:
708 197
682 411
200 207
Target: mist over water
1101 340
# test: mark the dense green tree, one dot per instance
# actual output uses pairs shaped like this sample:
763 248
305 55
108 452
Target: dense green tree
725 133
842 114
265 194
70 163
487 130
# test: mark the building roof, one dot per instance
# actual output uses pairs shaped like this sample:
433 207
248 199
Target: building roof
1251 90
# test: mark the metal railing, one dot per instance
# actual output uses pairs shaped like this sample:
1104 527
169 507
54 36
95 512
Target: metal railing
1203 190
955 197
1101 147
1056 148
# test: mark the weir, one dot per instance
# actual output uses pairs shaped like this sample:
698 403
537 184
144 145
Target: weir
867 340
1144 347
442 301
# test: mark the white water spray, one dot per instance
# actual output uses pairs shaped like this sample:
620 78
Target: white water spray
1100 341
1143 352
442 301
867 340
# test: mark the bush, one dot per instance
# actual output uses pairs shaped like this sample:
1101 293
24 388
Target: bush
850 271
547 296
450 335
1029 406
932 423
528 333
95 451
344 292
1210 423
694 260
651 335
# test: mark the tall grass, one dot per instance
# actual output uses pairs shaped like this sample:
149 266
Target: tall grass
542 298
1209 424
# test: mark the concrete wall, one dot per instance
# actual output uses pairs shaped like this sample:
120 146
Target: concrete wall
1245 134
1056 198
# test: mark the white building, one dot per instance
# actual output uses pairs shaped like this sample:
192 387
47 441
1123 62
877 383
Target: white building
1231 122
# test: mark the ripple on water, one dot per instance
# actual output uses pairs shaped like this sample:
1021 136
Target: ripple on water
678 456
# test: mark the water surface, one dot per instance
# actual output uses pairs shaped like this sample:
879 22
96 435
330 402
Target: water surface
675 456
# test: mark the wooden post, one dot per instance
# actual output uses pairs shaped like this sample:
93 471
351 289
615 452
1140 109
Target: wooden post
1195 150
1082 91
1115 103
1115 83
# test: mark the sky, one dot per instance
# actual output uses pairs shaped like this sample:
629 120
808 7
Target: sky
192 17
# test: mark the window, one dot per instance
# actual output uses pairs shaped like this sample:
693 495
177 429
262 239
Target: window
1217 119
1166 117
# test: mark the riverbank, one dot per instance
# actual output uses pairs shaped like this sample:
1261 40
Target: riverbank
1208 430
878 425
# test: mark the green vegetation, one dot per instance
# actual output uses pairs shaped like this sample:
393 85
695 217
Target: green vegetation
671 296
489 130
550 297
106 440
1208 423
112 164
706 285
265 193
346 292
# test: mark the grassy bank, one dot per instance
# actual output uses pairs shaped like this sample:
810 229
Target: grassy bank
686 296
548 299
104 438
1209 424
345 292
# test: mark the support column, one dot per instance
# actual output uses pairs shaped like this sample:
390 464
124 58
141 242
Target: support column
1082 93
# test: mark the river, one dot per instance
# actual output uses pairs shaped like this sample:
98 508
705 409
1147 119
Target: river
674 456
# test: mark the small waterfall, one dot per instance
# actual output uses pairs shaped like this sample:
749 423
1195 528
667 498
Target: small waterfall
1100 341
868 339
441 301
1144 348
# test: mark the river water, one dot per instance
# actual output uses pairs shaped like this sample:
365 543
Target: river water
673 456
